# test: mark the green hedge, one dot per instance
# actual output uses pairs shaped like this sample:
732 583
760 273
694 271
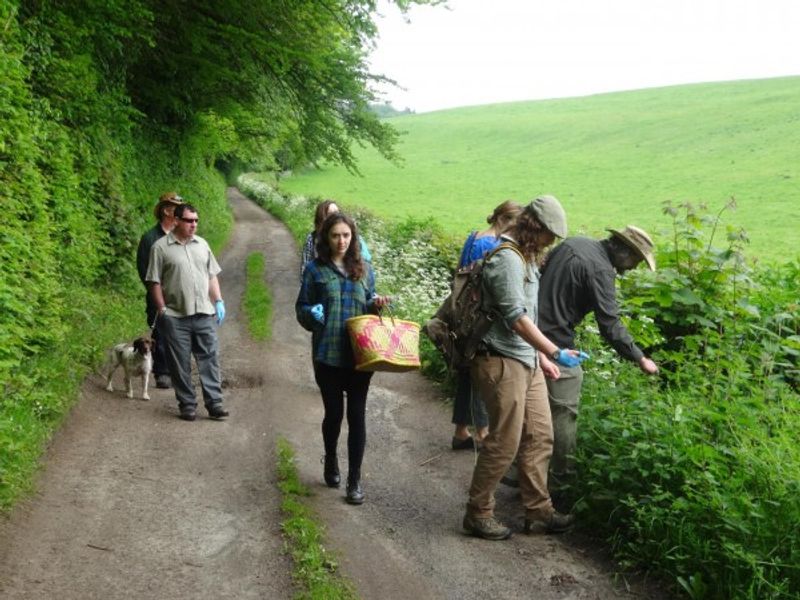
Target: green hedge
79 175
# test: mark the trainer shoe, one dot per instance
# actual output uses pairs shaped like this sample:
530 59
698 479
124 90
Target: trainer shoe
487 528
555 523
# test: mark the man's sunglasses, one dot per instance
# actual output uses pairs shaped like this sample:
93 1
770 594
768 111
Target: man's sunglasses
188 220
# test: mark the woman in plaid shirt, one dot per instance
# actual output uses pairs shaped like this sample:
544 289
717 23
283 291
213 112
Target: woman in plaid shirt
336 285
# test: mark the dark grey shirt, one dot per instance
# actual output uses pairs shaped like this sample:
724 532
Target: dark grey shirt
578 278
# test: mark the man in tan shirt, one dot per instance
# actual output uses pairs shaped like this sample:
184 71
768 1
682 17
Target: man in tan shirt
182 276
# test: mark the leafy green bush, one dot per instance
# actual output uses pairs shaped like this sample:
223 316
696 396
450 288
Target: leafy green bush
696 474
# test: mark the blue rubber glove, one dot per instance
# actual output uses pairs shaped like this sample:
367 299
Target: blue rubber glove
219 307
565 359
318 312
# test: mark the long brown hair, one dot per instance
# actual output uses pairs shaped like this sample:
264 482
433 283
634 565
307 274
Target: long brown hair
504 215
353 265
529 234
320 212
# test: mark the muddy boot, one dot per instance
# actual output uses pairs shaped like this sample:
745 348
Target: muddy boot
487 528
355 495
555 523
331 473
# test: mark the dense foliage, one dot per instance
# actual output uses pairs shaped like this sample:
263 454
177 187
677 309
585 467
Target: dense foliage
106 104
692 475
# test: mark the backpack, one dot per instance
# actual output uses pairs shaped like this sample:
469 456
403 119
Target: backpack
462 321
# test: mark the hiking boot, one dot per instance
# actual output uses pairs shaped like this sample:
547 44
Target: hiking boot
555 523
487 528
331 471
217 412
355 495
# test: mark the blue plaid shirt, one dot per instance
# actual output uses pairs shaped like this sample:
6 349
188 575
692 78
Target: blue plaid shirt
341 298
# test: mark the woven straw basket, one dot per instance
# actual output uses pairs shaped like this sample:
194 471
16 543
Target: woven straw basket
384 344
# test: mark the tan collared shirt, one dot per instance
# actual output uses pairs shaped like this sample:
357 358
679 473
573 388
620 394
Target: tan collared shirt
183 270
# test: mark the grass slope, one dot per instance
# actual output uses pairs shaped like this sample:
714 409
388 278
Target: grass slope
612 159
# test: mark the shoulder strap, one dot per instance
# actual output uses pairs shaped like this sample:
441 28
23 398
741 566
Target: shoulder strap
504 245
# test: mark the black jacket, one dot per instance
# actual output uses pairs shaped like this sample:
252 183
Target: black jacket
578 278
143 257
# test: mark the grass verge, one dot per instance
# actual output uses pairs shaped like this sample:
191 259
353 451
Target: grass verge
315 569
257 299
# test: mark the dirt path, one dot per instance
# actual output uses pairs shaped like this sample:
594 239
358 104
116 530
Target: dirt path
134 503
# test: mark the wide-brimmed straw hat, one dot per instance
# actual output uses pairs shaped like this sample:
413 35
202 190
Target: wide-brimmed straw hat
168 199
639 241
550 214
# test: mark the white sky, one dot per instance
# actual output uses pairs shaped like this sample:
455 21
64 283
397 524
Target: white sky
486 51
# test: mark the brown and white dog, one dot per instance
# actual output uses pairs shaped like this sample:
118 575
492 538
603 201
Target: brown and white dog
136 359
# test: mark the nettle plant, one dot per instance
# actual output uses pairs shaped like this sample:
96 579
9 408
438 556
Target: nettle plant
694 474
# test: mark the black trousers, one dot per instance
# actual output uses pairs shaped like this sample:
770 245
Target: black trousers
160 366
334 383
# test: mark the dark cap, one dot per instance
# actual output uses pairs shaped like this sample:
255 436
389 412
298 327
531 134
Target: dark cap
550 214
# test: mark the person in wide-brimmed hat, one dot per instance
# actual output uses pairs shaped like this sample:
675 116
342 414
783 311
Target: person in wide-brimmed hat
579 278
164 212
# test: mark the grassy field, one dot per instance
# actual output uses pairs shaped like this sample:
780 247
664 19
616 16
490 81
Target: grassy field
612 160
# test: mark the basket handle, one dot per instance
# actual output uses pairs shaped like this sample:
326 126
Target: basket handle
388 310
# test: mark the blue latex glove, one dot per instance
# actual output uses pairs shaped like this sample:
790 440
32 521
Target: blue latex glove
219 307
565 359
318 312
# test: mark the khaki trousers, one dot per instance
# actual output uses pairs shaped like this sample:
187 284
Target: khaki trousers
565 397
519 424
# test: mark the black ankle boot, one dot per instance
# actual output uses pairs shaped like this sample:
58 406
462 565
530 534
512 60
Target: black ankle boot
331 473
355 495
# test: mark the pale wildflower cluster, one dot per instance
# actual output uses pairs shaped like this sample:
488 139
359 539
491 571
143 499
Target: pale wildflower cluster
252 187
411 275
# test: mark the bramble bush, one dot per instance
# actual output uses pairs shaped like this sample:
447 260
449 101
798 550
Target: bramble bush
695 474
692 475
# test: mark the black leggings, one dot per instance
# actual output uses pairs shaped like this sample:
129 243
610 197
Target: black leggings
334 383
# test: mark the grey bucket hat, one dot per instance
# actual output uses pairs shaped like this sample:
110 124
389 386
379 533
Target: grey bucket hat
550 214
640 242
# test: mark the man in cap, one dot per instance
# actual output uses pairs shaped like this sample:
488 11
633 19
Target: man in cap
578 278
509 371
164 212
